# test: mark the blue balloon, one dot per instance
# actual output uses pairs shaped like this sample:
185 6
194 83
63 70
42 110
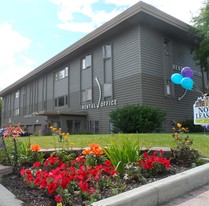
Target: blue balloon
176 78
187 83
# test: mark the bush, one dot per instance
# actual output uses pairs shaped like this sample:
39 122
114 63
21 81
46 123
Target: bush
137 118
191 126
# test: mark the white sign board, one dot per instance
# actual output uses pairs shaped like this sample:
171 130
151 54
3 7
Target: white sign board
201 111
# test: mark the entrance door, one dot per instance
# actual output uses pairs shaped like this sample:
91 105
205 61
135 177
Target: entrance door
70 126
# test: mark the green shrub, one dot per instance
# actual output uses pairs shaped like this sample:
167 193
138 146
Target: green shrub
137 118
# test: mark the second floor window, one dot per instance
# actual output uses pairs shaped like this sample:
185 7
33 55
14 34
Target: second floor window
17 94
86 62
61 74
86 95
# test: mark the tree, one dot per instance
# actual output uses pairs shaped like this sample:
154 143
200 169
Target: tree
201 33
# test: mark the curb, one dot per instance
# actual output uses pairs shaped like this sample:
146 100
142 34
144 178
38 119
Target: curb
7 198
162 191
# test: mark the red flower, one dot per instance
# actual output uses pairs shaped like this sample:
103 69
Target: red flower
58 198
83 186
51 188
36 164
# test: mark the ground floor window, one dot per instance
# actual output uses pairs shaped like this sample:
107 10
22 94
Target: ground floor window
92 126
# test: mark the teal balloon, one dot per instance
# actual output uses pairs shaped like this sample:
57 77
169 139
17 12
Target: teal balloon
187 83
176 78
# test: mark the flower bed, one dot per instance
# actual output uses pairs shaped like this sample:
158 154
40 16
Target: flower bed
98 172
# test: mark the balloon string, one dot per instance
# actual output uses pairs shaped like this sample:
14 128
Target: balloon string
198 90
182 95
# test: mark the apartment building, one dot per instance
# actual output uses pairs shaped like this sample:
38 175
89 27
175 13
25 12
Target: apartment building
128 60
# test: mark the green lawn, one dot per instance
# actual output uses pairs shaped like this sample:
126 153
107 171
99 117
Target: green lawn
201 140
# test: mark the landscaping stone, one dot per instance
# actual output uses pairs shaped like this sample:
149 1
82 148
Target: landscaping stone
4 170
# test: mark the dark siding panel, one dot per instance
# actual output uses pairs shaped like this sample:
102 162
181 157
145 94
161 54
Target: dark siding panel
151 51
126 54
50 101
74 101
61 87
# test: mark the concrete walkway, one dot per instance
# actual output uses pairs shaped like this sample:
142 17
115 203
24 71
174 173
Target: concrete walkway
6 197
198 197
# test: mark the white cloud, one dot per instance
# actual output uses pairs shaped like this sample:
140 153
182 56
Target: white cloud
13 63
94 18
100 17
68 13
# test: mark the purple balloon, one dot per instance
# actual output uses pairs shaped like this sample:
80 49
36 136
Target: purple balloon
187 72
207 127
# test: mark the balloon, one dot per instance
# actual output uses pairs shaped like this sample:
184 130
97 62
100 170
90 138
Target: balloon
187 83
187 72
207 127
176 78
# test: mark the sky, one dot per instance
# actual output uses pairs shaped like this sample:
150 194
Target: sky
33 31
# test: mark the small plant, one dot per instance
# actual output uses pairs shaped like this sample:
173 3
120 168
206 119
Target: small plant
148 166
183 154
122 151
13 131
153 165
61 139
62 180
94 155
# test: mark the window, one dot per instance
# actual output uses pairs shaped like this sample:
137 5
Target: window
17 111
168 88
61 74
166 46
107 89
107 51
60 101
86 62
86 95
17 94
108 74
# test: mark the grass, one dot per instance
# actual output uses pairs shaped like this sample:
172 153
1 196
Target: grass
201 140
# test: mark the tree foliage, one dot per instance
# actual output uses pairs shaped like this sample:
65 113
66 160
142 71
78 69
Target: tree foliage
137 118
201 32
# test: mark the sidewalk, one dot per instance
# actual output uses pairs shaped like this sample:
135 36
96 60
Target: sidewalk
198 197
6 197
